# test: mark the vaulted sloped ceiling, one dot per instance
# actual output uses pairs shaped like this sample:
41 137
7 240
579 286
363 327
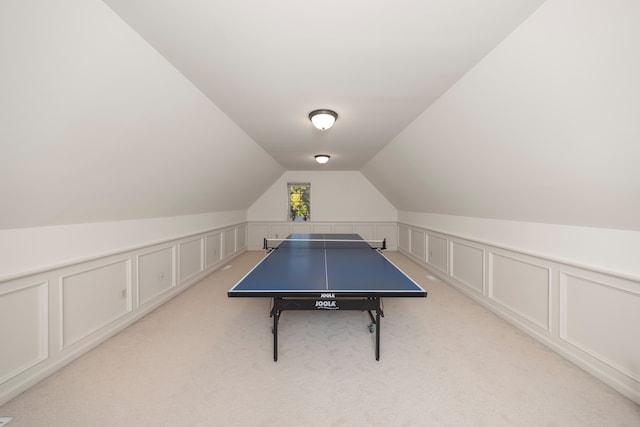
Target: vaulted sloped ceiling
499 109
135 109
378 64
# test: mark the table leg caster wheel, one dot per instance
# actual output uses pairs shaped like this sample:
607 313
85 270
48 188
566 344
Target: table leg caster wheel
372 328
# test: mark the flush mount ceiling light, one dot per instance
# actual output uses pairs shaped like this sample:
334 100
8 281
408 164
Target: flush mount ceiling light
323 119
322 158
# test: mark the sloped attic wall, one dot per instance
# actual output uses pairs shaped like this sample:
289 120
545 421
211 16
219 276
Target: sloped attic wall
97 127
544 130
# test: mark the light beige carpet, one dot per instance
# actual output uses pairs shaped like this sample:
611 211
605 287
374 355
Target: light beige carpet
204 359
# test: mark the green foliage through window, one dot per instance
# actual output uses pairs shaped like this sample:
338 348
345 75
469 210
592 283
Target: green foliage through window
299 202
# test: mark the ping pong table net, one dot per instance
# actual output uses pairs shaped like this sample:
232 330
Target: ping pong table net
324 243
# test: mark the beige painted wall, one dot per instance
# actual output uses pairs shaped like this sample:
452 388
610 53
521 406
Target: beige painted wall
335 196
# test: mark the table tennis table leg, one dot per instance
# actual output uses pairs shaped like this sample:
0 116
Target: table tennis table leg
275 312
275 338
369 304
375 323
378 334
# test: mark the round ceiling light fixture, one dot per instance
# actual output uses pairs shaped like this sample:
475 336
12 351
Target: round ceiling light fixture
322 158
323 119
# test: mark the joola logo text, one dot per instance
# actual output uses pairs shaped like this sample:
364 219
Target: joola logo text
327 295
327 305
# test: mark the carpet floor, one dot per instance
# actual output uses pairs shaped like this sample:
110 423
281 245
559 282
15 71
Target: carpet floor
203 359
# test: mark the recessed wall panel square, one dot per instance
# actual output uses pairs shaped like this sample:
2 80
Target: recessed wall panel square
520 286
467 265
404 238
343 228
418 244
93 298
603 320
190 259
366 231
155 273
213 253
437 252
322 228
23 339
229 242
241 237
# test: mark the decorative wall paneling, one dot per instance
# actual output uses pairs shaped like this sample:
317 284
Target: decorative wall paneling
23 302
258 231
213 251
52 317
156 272
590 317
92 298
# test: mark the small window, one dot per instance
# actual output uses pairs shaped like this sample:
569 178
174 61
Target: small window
299 201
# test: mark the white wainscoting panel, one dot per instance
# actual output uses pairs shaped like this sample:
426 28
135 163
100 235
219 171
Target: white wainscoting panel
241 238
591 317
58 314
301 227
322 228
156 273
404 239
259 232
602 319
520 286
91 299
418 244
190 255
229 242
389 232
467 265
342 229
366 231
213 252
437 246
278 231
24 343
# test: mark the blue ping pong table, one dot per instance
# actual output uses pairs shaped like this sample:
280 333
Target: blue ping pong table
326 272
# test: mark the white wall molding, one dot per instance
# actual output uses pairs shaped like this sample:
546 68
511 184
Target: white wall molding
607 251
33 250
585 314
93 299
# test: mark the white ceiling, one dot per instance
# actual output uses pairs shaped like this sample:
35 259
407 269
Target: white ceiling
378 64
